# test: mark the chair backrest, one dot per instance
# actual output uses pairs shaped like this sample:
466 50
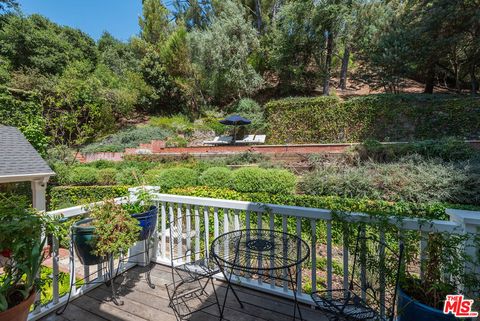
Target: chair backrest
185 245
227 139
260 138
375 272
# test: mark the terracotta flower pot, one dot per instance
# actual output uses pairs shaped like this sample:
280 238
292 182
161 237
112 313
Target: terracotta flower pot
20 311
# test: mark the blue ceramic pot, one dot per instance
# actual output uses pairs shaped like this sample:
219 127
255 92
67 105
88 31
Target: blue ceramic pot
83 239
147 221
412 310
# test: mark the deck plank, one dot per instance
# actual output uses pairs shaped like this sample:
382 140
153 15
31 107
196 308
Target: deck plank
141 303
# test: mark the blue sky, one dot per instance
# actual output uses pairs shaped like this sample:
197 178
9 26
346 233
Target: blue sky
119 17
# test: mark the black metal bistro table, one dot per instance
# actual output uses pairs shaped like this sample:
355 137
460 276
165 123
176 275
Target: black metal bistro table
261 254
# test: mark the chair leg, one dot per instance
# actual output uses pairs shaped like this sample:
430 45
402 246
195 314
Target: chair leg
216 298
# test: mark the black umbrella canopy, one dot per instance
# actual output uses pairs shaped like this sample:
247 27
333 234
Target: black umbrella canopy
235 120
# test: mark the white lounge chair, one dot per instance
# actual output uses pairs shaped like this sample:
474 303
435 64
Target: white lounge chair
249 139
260 139
219 140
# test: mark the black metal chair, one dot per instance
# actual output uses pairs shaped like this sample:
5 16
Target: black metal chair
192 270
373 285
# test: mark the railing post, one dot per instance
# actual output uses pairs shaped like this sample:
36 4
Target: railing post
470 222
137 252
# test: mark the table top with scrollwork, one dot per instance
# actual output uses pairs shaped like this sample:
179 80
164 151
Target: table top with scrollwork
260 249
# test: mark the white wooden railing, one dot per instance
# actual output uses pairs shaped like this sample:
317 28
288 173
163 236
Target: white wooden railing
196 212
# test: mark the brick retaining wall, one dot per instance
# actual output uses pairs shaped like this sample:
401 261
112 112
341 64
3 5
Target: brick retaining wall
281 152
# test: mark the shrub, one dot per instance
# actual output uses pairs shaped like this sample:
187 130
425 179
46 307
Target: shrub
107 176
179 124
67 196
449 149
217 177
383 117
102 164
128 138
254 179
410 179
151 176
176 177
177 141
129 176
82 175
335 203
250 109
245 158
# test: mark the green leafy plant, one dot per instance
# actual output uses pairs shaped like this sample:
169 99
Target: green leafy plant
115 229
82 175
217 177
107 176
21 249
176 177
274 181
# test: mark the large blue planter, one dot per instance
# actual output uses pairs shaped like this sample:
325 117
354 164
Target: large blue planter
147 221
83 240
412 310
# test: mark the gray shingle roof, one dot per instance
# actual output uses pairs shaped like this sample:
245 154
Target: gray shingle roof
18 157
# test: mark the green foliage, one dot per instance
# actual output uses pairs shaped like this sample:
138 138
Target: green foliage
47 288
381 117
250 109
245 158
129 176
335 203
154 23
116 231
24 111
36 42
107 176
447 149
294 46
82 175
179 124
220 53
175 178
221 177
128 138
68 196
177 141
254 179
304 120
410 179
22 240
151 176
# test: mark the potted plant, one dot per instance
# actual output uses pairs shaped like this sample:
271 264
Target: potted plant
109 230
146 213
444 272
23 233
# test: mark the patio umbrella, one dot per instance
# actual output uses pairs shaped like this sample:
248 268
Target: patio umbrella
235 120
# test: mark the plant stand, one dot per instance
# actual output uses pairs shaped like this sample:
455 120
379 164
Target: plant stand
146 254
108 277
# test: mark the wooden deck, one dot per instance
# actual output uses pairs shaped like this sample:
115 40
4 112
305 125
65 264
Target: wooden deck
143 303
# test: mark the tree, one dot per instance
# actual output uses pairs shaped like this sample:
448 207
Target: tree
193 13
7 5
220 53
37 43
294 47
154 23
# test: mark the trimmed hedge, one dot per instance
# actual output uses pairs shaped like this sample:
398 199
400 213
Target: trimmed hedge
217 177
176 177
384 117
336 203
254 179
68 196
